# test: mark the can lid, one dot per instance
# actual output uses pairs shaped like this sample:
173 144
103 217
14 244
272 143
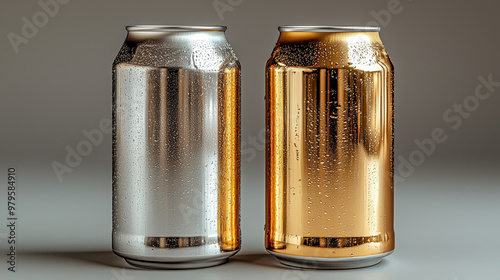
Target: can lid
176 28
296 28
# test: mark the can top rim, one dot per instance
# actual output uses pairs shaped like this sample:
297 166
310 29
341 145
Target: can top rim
318 28
176 28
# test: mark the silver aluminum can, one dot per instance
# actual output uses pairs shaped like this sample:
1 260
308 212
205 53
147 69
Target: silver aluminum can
176 147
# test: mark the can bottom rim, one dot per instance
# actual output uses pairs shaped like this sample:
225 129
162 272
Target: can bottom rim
328 263
178 265
171 262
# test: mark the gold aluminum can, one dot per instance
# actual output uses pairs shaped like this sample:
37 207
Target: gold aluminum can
329 148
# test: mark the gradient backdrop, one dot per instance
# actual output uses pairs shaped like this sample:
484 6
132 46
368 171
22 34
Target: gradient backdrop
55 80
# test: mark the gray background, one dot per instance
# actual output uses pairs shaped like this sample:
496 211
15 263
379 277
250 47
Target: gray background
59 84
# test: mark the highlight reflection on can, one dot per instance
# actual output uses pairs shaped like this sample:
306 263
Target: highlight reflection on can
176 147
329 148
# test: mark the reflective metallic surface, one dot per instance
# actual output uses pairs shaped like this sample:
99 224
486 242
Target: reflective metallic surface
176 147
328 263
329 181
320 28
